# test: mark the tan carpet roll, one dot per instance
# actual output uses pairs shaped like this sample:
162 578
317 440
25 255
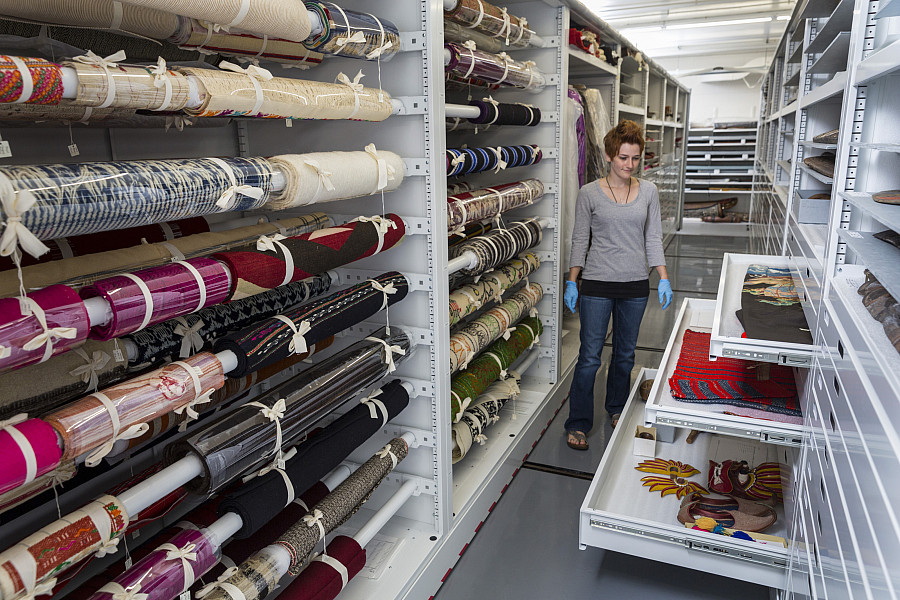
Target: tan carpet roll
98 14
131 87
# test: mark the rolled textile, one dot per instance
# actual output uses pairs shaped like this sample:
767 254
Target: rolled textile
80 245
30 566
454 32
66 112
252 94
480 415
341 503
469 298
491 20
88 423
259 500
41 324
169 570
62 378
322 579
257 576
256 268
95 14
454 83
29 450
498 113
275 18
58 476
108 85
476 335
203 37
464 125
259 432
489 203
352 33
32 80
499 245
494 68
272 339
471 231
326 176
463 161
83 270
192 333
467 385
458 187
74 199
158 294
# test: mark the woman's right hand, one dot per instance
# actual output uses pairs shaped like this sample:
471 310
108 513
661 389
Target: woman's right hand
571 296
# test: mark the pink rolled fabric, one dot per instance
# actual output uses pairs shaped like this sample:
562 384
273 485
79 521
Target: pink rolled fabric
29 450
41 324
174 290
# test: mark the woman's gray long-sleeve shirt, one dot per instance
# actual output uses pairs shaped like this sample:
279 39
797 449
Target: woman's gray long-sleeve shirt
625 239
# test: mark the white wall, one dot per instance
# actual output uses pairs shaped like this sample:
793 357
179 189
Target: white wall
717 101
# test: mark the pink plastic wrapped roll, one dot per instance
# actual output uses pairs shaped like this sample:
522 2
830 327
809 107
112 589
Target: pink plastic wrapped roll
40 325
29 450
154 295
167 571
180 386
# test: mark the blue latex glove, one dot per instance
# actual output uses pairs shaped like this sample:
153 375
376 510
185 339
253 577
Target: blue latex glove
665 293
571 296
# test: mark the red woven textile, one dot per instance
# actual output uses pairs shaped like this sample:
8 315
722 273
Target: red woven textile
319 580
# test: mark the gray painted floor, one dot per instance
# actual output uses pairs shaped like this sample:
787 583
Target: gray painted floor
528 547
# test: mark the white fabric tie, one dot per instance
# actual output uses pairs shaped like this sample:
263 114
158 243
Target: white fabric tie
201 285
186 555
355 86
179 121
480 16
336 565
507 24
209 587
15 233
191 340
376 406
387 290
385 171
161 79
503 373
475 302
49 334
501 164
324 182
273 244
27 81
274 414
148 298
255 74
241 14
199 396
463 405
105 63
23 444
389 352
387 451
506 60
227 199
120 593
508 332
382 225
41 589
298 342
471 47
314 519
523 25
135 431
496 105
358 37
89 372
118 14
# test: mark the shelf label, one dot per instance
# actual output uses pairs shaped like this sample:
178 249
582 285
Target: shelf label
5 150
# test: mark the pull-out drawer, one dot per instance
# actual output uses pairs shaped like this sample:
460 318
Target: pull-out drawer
698 315
622 515
727 330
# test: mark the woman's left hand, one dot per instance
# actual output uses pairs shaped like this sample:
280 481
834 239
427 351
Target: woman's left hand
665 293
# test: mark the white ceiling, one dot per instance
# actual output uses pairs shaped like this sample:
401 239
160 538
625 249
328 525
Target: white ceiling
682 28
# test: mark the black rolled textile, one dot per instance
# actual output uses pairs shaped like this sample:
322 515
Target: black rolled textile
267 342
262 499
499 113
178 338
499 245
246 439
463 161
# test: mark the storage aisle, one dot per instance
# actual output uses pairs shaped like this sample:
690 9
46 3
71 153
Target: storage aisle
527 548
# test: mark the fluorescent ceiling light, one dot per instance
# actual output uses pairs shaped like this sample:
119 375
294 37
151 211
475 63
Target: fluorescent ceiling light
664 27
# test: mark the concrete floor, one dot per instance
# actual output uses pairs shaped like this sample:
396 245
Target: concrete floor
528 547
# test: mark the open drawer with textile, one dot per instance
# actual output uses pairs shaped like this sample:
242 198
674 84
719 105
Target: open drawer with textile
757 298
623 514
691 392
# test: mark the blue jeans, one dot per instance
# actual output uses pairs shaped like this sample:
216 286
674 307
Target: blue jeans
595 314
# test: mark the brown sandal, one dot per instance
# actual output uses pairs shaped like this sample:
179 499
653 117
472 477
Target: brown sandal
580 441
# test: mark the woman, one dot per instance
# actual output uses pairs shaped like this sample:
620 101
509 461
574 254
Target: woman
617 237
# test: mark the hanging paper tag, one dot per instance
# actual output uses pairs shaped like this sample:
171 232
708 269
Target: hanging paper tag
73 150
281 464
128 563
136 534
185 595
288 122
5 150
117 355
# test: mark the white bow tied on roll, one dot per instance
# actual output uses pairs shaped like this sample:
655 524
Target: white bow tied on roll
267 243
358 37
255 73
89 372
209 587
179 121
105 63
314 519
15 233
386 452
191 340
389 352
298 343
501 164
41 589
120 593
274 414
386 172
46 337
186 555
377 52
161 79
227 199
324 176
387 290
355 86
